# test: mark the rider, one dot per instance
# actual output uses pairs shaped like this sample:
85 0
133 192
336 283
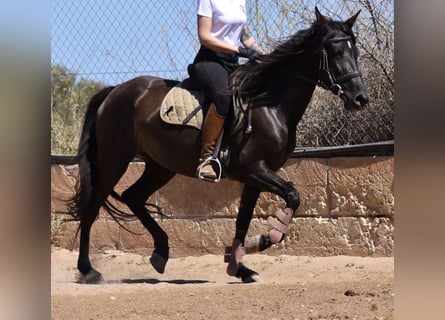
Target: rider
224 36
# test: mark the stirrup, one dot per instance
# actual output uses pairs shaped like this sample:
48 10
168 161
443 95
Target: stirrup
209 160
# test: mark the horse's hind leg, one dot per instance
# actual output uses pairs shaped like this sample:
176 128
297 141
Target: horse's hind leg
108 174
90 275
153 178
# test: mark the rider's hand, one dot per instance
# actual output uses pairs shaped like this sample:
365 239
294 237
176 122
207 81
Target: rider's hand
247 53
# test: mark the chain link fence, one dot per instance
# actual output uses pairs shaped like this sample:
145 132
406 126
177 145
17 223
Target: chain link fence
109 42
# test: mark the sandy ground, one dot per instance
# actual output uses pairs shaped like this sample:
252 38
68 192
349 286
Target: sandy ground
292 287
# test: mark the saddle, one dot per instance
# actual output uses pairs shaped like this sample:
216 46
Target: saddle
185 105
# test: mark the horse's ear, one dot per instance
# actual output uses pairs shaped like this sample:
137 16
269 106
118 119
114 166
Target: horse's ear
320 18
350 22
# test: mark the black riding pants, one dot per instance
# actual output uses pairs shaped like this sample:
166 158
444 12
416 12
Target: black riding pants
211 73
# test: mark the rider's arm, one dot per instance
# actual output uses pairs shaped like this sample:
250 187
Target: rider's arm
249 41
207 40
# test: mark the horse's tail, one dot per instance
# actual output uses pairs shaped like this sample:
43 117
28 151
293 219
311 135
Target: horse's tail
79 204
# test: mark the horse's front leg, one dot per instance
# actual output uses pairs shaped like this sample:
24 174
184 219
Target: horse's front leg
269 181
260 178
234 254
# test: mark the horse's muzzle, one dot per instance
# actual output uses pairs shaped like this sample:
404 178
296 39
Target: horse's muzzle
357 102
361 100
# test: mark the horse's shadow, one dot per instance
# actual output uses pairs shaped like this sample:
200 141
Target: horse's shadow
157 281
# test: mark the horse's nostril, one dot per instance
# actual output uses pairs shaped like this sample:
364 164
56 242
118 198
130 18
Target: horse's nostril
361 99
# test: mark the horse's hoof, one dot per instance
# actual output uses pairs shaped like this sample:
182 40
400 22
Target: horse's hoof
158 262
247 275
92 277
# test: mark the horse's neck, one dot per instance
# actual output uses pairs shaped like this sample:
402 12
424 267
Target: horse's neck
299 92
296 103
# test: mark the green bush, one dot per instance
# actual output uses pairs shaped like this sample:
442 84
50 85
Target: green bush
69 98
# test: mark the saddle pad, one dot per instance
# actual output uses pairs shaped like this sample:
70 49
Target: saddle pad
183 107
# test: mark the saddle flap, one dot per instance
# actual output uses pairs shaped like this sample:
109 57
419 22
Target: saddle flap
183 107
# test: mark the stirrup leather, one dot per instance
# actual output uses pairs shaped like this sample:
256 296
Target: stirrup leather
209 160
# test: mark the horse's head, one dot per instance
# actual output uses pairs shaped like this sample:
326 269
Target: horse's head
339 70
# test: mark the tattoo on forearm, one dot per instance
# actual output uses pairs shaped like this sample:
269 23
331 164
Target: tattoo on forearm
255 46
247 37
245 34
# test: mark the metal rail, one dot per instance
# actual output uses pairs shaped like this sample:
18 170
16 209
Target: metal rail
377 149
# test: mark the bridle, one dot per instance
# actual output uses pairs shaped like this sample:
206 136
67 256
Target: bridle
326 77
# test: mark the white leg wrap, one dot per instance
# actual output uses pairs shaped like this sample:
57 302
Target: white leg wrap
236 256
280 224
253 245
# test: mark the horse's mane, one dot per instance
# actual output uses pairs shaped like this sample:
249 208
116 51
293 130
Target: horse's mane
252 81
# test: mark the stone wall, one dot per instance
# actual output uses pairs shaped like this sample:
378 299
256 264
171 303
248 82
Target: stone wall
347 208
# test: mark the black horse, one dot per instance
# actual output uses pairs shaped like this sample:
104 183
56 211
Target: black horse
123 122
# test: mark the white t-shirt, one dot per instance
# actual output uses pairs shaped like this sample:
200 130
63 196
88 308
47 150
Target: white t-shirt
228 18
